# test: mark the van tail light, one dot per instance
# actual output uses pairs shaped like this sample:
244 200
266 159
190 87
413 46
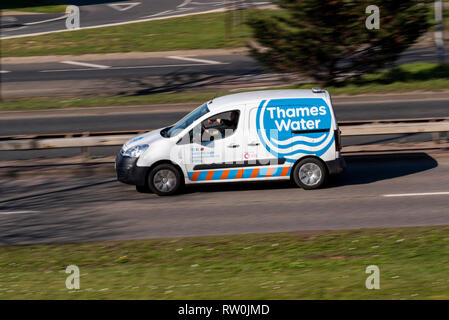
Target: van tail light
337 135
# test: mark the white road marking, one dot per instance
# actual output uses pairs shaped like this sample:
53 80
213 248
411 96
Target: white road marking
186 2
85 64
417 194
166 66
184 9
194 60
123 6
17 212
44 21
18 28
160 13
216 3
138 67
4 71
67 70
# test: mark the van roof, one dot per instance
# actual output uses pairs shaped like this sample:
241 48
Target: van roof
257 96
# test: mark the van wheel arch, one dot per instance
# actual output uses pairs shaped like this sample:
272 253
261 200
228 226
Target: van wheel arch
301 160
308 157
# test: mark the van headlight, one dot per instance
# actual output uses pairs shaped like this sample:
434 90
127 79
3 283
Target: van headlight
134 152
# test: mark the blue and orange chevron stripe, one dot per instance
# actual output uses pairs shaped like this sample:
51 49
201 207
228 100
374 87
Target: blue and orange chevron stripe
239 173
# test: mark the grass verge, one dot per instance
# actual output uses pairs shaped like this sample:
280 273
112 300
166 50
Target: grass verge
418 76
160 35
406 78
90 102
413 264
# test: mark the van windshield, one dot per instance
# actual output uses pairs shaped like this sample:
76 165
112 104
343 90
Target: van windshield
186 121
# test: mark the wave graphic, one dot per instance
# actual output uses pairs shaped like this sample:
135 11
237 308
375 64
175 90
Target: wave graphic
293 140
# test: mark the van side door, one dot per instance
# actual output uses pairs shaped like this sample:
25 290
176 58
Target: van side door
255 151
222 139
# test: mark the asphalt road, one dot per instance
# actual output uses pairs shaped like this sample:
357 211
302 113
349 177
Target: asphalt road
150 75
100 208
147 119
130 77
104 12
130 68
230 64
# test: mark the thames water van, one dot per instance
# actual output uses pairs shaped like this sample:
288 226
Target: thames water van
252 136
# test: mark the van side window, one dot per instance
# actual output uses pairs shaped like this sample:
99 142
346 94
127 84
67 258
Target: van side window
220 126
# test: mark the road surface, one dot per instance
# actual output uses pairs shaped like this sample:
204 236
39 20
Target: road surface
376 191
130 76
139 76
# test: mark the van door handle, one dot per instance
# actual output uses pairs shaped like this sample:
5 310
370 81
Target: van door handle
233 145
253 144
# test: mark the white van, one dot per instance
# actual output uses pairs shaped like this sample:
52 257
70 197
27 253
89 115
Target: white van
251 136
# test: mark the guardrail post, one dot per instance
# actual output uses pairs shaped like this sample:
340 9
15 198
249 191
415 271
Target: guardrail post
445 136
85 150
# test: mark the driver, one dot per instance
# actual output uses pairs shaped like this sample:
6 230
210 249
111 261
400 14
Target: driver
223 124
225 127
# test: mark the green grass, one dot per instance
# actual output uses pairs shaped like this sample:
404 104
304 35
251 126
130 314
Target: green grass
413 262
46 103
203 31
406 78
418 76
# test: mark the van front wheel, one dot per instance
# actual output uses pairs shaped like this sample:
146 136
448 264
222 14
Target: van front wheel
309 174
165 180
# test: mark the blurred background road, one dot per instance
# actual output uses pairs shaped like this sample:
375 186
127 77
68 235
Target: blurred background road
105 12
140 76
146 118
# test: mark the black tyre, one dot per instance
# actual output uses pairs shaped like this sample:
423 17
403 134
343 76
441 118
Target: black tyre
165 180
309 174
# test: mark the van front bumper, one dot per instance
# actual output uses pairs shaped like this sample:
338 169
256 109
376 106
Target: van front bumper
128 172
336 166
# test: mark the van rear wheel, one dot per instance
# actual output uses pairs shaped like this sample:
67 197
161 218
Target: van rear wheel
309 174
165 180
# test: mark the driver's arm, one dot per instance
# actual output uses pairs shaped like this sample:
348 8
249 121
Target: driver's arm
211 123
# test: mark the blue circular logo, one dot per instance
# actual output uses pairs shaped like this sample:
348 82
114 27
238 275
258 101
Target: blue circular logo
291 127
